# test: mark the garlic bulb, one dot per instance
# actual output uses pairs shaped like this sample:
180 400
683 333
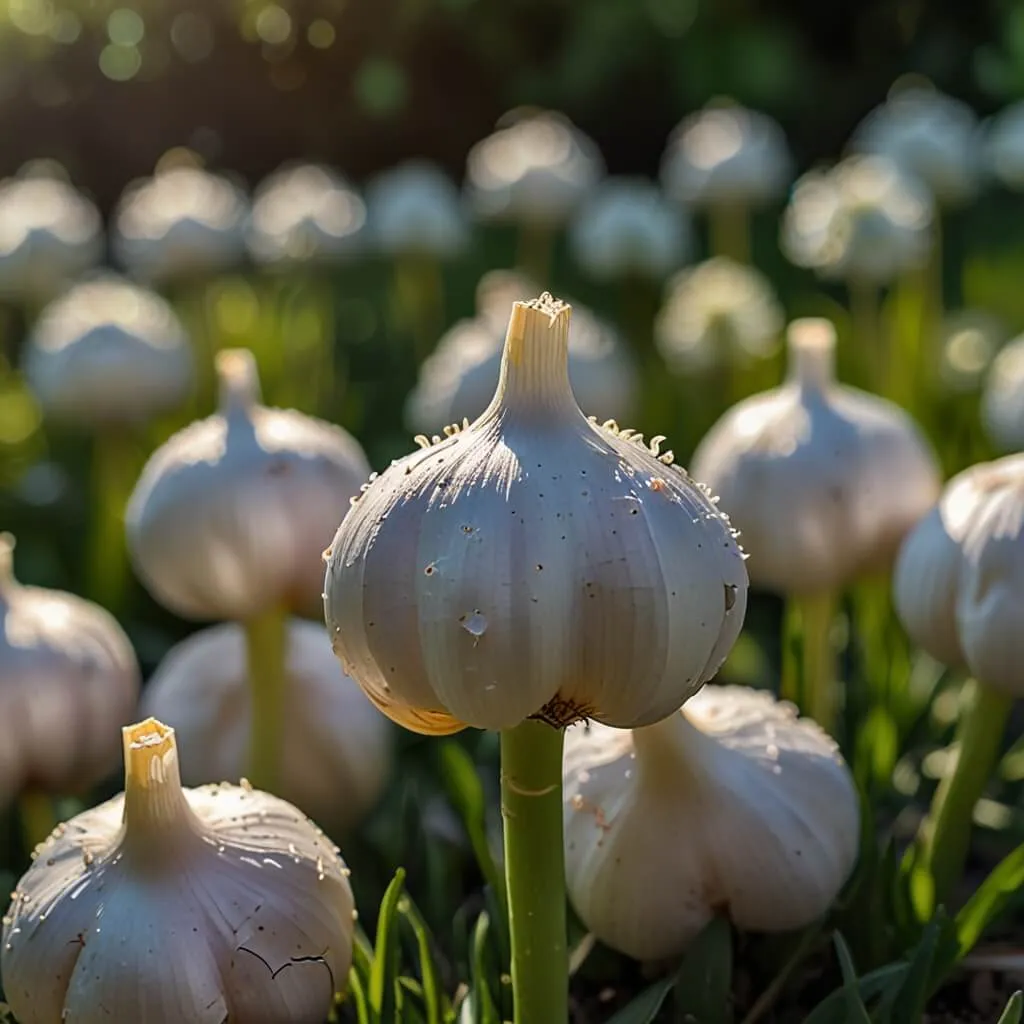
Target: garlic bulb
108 352
626 228
533 563
1003 400
66 670
231 515
49 234
1004 146
183 221
458 379
864 219
732 805
718 312
536 169
415 208
305 213
336 755
822 480
726 154
959 582
930 136
169 905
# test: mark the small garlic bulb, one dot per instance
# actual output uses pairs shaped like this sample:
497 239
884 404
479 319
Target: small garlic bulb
415 209
732 805
535 170
865 219
1003 399
1004 146
959 582
930 136
726 154
305 214
108 352
336 750
168 905
457 380
626 228
533 563
49 235
822 480
66 670
230 516
182 222
718 312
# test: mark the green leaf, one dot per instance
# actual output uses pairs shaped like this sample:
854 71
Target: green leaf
432 993
483 999
856 1011
356 995
384 973
995 895
646 1005
703 991
870 986
909 1005
1013 1012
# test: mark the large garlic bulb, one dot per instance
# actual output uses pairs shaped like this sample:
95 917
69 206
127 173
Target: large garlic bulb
108 352
67 670
173 906
959 582
733 805
1003 400
335 749
822 480
533 564
231 515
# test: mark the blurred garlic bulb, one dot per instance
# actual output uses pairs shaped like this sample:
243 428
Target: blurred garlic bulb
733 805
1004 146
1003 400
182 222
67 670
458 379
168 905
718 311
305 214
822 480
959 583
970 339
535 170
864 219
336 755
626 228
108 352
415 208
231 515
533 564
49 235
929 135
726 154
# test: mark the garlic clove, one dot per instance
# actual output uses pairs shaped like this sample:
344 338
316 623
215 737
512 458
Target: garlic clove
745 808
167 905
533 564
231 515
336 747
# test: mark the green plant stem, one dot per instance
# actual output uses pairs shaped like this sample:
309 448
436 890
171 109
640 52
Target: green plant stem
114 469
266 639
809 657
531 805
729 230
944 837
38 820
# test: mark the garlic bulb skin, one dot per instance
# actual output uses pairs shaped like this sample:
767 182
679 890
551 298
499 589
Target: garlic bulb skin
66 670
733 805
231 515
336 747
533 564
1002 406
822 480
108 352
170 906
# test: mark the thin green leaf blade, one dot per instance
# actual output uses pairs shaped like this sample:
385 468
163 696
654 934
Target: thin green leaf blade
384 972
909 1005
644 1008
483 999
870 986
1013 1012
856 1011
433 999
703 990
994 896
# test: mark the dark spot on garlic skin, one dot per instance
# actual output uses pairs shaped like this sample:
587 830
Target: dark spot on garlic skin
561 713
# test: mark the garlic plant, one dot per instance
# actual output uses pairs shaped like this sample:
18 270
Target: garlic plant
67 670
732 805
229 520
1003 398
959 591
529 570
168 905
49 235
823 482
336 749
727 160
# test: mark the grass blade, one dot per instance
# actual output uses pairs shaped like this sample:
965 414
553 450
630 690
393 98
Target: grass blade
1014 1009
646 1005
384 972
432 991
483 1000
856 1011
996 894
703 991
